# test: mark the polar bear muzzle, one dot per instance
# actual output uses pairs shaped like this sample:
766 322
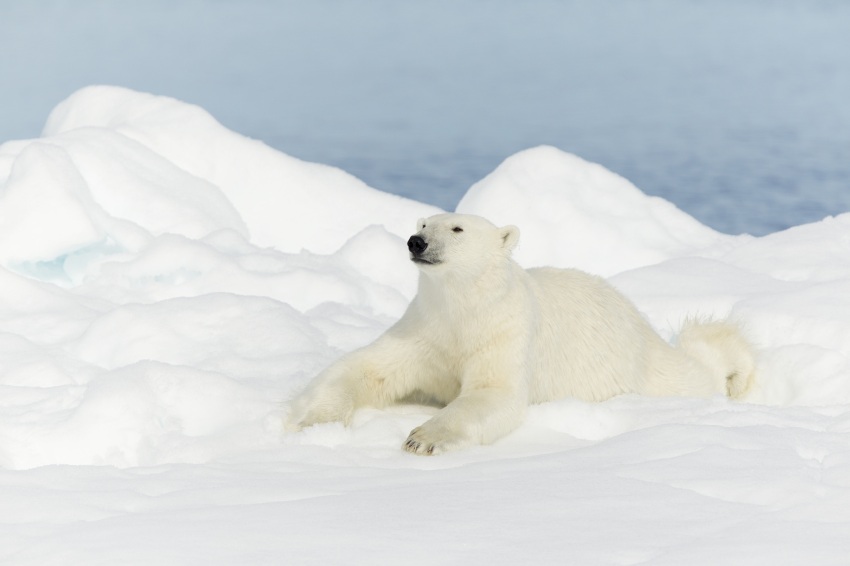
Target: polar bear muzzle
417 246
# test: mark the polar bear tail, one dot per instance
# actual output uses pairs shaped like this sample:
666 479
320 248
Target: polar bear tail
721 347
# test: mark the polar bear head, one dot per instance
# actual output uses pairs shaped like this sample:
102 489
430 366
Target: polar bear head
460 242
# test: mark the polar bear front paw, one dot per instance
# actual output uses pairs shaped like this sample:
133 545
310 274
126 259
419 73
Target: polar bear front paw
319 408
433 438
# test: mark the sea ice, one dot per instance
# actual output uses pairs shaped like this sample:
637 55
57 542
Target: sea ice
166 285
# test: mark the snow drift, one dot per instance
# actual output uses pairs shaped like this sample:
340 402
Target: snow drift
166 284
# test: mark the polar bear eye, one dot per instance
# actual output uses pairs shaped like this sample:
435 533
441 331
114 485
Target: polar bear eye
457 229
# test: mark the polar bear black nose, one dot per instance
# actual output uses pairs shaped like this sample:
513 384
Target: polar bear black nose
416 245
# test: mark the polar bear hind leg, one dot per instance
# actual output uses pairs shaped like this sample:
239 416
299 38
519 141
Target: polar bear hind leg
722 349
708 358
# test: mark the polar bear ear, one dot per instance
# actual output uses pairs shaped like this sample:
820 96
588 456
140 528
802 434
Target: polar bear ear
510 237
420 224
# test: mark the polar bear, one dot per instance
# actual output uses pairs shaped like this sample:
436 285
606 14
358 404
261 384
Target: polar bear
484 338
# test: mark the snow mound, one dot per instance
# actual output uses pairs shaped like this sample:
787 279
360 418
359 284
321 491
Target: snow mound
576 213
115 167
166 285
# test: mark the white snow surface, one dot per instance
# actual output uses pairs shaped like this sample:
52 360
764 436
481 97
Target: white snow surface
166 285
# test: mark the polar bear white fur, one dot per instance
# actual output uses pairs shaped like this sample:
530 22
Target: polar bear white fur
484 338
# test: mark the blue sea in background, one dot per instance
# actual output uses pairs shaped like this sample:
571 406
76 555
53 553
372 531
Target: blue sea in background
736 111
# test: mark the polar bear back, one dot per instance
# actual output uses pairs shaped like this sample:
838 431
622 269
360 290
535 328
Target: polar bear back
591 343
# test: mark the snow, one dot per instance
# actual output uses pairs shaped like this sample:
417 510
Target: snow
166 285
576 201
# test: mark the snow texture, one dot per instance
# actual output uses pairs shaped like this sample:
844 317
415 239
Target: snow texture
166 285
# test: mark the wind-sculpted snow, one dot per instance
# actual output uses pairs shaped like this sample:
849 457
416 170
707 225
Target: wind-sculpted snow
577 213
166 285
